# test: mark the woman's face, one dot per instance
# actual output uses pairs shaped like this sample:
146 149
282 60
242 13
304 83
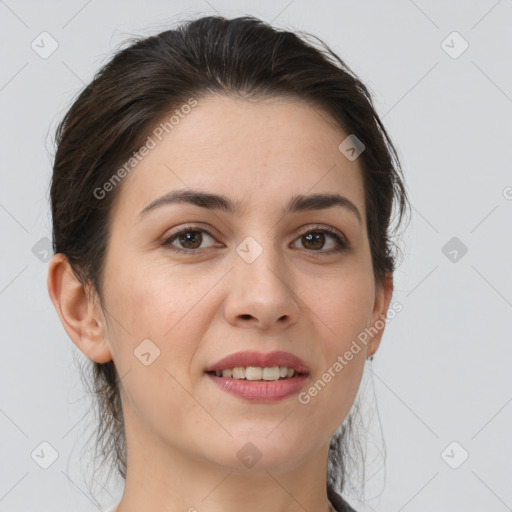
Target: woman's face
260 278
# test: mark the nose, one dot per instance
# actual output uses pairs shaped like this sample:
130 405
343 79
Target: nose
261 293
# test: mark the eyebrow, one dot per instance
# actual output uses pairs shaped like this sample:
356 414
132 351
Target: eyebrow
208 200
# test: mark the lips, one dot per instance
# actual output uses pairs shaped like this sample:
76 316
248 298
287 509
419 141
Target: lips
259 359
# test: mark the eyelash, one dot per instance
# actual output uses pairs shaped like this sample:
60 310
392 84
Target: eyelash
341 241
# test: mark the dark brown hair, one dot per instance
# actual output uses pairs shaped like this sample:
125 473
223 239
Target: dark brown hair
147 80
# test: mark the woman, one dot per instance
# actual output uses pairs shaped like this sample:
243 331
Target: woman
221 201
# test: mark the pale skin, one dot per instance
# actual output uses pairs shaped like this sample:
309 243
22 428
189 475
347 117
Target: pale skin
183 433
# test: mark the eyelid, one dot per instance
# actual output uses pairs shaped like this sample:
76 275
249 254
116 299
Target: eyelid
192 226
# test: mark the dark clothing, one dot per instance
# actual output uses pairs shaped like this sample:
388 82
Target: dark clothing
339 503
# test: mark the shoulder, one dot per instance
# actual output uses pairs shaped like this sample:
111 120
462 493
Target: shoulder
339 503
348 508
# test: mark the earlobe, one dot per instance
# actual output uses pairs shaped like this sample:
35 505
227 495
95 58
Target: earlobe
80 316
378 321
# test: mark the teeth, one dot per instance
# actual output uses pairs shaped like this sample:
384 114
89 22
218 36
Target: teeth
239 372
253 373
271 373
257 373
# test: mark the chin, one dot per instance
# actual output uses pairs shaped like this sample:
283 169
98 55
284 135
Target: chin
260 452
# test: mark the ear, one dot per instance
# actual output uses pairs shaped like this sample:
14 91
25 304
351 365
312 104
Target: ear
80 314
383 294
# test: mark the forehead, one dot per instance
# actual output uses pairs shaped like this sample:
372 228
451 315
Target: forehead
277 146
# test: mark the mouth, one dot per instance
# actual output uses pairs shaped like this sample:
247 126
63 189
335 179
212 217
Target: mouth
252 365
260 377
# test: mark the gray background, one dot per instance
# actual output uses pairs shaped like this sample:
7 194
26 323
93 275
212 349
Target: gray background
442 373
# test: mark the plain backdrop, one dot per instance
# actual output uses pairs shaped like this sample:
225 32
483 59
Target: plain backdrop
441 77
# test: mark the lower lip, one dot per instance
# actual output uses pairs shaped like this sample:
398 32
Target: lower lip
260 391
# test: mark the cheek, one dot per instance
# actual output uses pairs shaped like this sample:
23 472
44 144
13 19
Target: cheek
160 313
153 301
157 395
162 305
342 304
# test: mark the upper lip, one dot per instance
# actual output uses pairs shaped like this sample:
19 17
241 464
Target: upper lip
253 358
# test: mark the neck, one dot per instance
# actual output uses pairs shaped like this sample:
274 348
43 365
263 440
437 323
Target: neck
166 478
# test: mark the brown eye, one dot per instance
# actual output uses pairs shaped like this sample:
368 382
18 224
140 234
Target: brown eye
188 239
313 240
316 240
191 239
